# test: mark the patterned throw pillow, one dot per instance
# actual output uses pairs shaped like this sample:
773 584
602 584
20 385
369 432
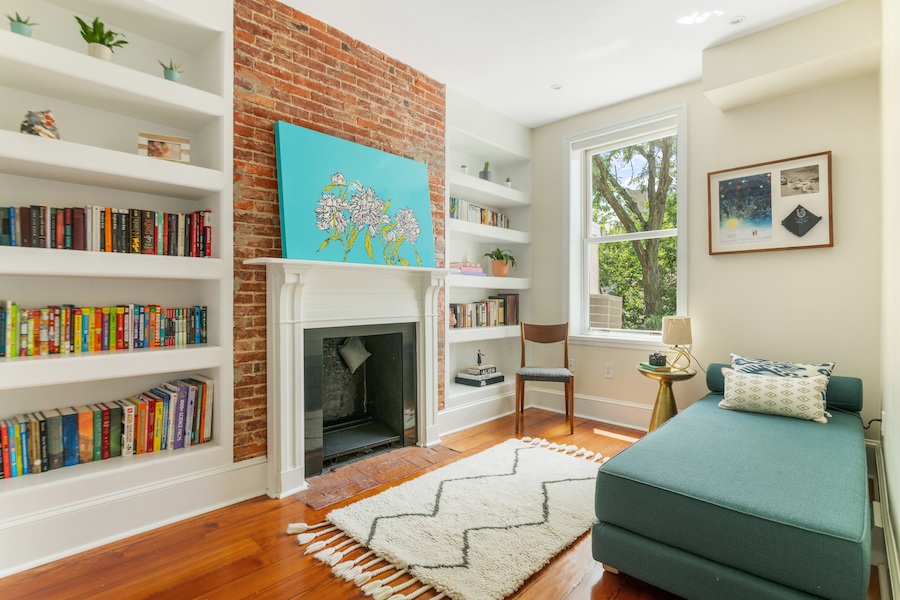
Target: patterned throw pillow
762 366
798 397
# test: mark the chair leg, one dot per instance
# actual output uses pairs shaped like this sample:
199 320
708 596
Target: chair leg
520 404
570 404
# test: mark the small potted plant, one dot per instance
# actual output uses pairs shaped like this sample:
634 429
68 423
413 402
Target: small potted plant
20 25
464 169
508 182
171 71
486 173
101 42
501 261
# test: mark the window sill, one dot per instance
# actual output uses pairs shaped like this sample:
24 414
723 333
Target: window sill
626 341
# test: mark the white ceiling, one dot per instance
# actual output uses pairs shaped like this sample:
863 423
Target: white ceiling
507 54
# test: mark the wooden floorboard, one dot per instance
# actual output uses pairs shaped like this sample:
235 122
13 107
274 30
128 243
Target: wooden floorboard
242 551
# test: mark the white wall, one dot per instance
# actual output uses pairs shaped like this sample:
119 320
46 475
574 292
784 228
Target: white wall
890 98
804 305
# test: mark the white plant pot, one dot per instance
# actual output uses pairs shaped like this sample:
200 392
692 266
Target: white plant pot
100 51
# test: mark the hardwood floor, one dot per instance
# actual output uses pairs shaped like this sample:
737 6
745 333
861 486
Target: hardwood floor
242 551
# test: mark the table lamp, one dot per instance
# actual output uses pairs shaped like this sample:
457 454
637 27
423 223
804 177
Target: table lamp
676 331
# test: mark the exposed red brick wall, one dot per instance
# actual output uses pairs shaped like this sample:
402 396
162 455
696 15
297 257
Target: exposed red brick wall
290 67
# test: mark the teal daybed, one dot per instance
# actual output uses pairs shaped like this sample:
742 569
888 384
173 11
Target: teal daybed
719 504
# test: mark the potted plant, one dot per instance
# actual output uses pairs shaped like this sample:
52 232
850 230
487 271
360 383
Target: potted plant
501 261
101 42
464 169
508 182
486 173
171 71
20 25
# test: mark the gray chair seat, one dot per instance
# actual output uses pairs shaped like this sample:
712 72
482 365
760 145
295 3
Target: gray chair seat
545 374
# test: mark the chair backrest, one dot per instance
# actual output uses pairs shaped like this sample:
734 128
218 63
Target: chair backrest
546 334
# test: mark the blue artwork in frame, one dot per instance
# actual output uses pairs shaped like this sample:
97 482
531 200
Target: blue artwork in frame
344 202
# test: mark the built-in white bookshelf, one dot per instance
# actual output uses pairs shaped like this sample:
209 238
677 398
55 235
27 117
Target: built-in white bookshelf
99 108
475 135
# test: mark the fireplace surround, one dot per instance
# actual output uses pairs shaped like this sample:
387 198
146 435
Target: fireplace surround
303 296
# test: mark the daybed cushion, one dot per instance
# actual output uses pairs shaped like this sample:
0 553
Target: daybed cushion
782 499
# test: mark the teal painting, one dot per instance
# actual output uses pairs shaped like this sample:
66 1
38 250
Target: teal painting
345 202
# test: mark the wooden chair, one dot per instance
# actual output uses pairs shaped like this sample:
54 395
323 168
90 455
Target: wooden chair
545 334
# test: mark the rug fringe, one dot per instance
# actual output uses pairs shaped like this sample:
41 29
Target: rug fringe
570 449
301 527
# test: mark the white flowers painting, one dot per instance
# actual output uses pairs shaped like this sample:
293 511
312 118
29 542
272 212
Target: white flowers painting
345 202
368 216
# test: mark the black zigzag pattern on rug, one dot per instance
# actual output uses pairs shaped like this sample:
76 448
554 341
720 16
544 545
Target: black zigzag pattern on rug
467 532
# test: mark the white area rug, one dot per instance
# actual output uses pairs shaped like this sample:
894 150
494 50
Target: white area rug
475 529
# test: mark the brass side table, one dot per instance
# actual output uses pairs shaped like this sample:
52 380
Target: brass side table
665 408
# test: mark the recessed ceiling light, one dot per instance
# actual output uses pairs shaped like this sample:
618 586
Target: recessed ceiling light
556 86
737 20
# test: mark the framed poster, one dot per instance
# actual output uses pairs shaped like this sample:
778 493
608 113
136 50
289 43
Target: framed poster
778 205
344 202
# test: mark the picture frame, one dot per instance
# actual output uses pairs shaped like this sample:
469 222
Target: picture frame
777 205
165 147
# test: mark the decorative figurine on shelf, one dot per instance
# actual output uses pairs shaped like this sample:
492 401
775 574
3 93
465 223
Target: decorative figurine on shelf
40 123
479 357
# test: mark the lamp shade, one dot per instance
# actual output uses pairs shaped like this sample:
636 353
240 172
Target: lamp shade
676 331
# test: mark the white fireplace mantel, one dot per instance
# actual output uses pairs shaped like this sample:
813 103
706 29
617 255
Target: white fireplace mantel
304 294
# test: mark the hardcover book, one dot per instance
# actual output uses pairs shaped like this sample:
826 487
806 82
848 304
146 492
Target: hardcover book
480 382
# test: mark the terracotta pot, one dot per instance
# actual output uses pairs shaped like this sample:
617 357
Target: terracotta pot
499 268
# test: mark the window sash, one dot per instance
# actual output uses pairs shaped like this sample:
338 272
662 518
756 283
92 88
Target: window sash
578 149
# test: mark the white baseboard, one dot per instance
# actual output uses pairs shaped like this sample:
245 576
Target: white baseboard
892 577
481 409
80 527
605 410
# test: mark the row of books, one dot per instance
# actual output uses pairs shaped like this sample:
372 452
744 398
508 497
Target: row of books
498 310
472 213
176 414
106 229
68 329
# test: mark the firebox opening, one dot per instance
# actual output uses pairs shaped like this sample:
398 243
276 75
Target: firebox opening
358 406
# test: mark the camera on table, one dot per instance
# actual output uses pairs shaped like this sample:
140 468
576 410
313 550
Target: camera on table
658 359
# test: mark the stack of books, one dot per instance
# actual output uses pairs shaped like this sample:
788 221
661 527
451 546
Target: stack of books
659 369
479 375
468 269
175 414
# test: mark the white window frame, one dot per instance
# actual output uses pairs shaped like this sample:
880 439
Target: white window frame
576 188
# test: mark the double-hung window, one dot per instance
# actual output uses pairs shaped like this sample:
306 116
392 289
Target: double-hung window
626 250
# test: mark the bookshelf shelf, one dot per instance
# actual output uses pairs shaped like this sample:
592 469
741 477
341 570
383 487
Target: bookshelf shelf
76 77
488 283
477 334
48 262
100 108
57 369
485 192
59 160
464 230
